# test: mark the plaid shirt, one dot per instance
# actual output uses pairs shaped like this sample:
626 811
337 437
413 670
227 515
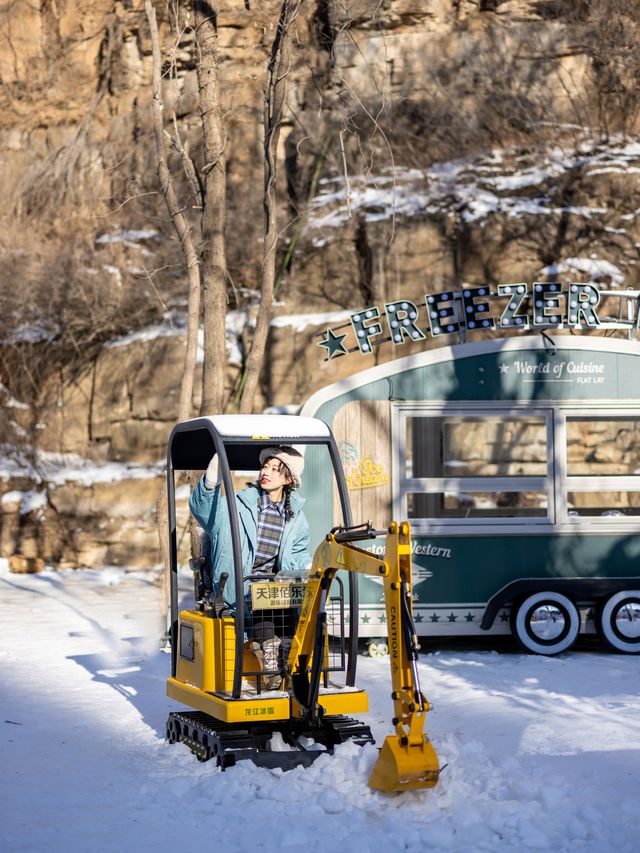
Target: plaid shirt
271 523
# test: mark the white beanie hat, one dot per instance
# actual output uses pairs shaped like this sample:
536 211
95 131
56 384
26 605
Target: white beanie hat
290 457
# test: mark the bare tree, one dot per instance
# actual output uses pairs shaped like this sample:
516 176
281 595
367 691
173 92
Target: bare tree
180 223
278 71
184 232
214 265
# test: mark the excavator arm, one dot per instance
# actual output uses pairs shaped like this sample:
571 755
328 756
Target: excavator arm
407 759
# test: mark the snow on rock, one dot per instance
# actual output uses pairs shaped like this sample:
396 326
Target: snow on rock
540 753
595 269
10 402
32 333
58 468
286 409
30 501
130 237
12 497
474 189
64 467
236 322
174 324
299 322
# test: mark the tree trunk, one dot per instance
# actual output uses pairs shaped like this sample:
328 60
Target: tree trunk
183 229
214 263
180 223
275 96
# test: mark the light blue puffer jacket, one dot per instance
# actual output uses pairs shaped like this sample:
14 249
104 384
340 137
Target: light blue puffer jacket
209 507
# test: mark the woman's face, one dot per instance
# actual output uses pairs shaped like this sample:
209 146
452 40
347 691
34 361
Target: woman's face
273 478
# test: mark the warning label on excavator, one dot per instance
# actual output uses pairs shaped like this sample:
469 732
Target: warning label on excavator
266 595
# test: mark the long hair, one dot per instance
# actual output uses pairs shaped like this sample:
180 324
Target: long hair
287 500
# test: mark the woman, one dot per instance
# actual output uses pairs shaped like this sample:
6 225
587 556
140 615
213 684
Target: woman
274 534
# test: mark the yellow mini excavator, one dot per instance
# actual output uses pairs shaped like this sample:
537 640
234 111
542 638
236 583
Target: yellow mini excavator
285 709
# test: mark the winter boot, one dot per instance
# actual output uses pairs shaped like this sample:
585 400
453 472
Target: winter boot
252 661
285 648
271 664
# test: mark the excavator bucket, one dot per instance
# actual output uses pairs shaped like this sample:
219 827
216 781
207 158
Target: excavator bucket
405 767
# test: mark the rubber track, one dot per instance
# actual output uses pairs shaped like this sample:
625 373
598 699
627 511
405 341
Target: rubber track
228 743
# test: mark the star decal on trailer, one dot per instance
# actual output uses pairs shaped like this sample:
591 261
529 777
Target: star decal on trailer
333 344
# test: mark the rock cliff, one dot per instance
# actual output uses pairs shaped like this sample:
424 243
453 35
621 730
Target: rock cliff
426 145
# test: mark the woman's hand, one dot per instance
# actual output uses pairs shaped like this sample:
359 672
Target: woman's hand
212 476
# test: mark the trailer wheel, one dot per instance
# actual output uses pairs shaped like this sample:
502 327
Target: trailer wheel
618 621
545 623
378 648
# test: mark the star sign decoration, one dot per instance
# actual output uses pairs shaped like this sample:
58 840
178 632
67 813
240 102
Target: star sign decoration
333 344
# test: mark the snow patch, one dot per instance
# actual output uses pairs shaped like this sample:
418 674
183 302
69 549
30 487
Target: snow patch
129 237
9 401
594 268
299 322
473 189
32 333
59 468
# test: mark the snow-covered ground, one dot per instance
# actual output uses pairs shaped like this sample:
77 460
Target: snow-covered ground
541 753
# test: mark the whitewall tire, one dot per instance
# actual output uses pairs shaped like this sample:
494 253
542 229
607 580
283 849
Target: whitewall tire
619 621
545 623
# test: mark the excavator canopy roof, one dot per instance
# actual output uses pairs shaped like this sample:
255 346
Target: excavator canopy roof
266 426
192 442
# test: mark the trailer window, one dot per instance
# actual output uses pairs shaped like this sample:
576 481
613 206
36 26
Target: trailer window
466 446
607 446
476 466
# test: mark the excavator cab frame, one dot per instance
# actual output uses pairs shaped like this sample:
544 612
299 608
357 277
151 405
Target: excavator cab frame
237 441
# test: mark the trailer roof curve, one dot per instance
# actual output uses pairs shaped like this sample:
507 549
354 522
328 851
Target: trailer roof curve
459 352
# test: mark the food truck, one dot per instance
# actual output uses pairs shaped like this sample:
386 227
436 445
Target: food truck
516 460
